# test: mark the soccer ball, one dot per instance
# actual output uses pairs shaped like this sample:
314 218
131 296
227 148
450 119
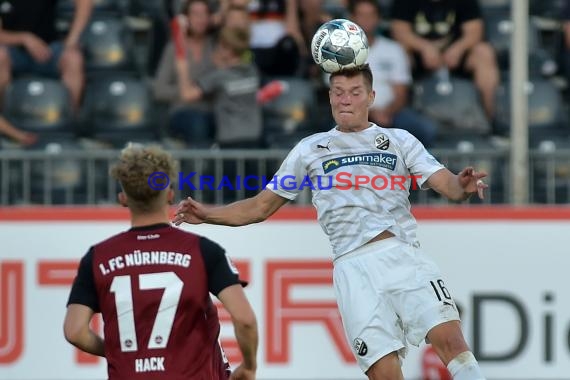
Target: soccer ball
339 44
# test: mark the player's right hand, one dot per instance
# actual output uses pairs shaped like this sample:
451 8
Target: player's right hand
242 373
190 211
472 181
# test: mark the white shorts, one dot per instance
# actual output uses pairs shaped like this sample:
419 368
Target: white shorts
389 293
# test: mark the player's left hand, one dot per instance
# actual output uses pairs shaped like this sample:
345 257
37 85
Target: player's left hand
242 373
472 181
190 211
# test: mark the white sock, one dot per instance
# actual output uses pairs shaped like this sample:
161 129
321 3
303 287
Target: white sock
465 367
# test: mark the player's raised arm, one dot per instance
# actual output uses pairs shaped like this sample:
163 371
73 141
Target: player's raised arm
458 187
247 211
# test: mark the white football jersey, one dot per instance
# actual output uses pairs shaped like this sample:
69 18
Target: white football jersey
336 166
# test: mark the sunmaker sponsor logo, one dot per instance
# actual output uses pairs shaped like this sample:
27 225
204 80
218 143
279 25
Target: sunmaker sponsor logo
383 160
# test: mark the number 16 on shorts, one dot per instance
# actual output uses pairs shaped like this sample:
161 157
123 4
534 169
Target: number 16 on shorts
441 292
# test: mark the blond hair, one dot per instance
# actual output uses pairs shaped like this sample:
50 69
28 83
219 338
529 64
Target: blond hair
235 39
136 165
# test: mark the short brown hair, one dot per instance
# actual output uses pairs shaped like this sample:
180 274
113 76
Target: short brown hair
363 70
136 165
235 39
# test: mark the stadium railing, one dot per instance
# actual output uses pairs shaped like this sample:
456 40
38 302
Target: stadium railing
60 175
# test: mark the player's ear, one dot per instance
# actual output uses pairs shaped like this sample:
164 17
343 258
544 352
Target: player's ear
371 98
170 196
122 197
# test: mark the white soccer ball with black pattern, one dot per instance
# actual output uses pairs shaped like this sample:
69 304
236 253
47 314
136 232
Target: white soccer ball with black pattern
339 44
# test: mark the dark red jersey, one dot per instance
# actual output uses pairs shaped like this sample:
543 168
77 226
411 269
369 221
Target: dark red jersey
152 286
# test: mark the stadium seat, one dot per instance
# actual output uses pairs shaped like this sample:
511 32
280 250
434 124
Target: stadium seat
498 27
38 104
550 9
52 177
118 109
451 101
498 30
550 171
65 172
109 45
290 117
545 106
545 138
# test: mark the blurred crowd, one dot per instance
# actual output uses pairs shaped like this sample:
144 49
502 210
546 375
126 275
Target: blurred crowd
239 74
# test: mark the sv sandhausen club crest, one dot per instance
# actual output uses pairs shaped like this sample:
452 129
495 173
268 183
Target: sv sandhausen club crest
382 141
360 347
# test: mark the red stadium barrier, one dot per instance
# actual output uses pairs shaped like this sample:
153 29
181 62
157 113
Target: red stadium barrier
297 213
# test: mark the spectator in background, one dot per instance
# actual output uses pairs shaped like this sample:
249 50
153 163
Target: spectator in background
312 15
276 40
237 17
233 87
392 77
223 7
190 119
159 30
448 33
21 137
29 43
